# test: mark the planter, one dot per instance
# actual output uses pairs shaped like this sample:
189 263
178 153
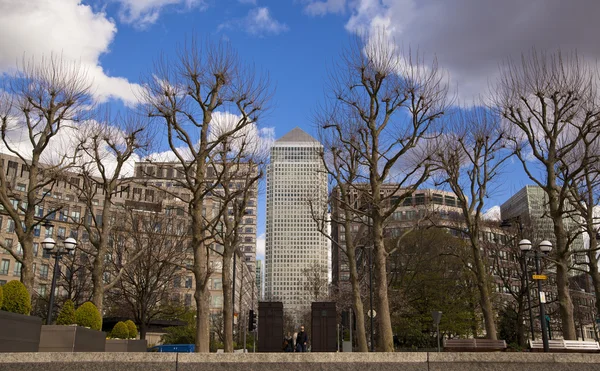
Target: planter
19 333
57 338
118 345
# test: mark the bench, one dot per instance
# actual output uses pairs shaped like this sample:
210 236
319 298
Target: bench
474 345
566 346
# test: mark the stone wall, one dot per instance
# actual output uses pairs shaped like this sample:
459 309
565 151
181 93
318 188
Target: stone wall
306 361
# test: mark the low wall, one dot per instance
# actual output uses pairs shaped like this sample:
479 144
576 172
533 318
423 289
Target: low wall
306 361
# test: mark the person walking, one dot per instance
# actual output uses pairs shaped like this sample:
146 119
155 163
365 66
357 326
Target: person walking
301 340
288 343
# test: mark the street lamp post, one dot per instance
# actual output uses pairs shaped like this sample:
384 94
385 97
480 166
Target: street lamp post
544 247
48 245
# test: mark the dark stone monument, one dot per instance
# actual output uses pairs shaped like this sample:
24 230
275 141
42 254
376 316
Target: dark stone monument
270 326
19 333
57 338
323 327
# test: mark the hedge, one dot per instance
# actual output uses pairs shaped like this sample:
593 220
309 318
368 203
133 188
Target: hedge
16 298
66 316
120 331
133 332
87 315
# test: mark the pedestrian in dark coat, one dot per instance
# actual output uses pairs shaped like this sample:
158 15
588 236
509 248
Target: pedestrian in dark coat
301 340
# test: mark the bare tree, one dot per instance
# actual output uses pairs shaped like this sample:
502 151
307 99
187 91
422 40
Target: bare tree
316 285
106 146
144 287
237 159
40 100
185 95
470 159
393 99
584 196
550 102
342 161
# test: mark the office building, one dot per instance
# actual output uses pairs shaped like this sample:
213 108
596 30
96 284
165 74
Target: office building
530 205
296 182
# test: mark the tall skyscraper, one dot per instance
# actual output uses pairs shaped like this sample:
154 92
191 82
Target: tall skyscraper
530 205
296 252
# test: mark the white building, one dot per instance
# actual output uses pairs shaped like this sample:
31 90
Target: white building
296 178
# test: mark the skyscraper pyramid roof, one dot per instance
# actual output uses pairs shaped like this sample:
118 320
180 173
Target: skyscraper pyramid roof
297 135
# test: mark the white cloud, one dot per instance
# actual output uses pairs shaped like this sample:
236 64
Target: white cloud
260 247
471 37
251 2
257 141
68 28
142 13
493 213
258 22
319 7
63 144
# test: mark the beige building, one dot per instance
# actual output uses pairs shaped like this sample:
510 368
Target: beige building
143 194
422 206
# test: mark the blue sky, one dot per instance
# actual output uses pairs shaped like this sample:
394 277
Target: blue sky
295 41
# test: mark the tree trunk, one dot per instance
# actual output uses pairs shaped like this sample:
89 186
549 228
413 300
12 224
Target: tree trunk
484 290
143 330
201 294
359 313
101 250
521 328
227 301
565 302
562 270
98 282
27 273
594 273
385 335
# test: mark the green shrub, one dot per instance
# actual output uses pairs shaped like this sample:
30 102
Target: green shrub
120 331
16 298
66 316
0 297
133 332
87 315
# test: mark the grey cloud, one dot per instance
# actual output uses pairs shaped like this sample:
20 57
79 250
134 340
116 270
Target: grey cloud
471 37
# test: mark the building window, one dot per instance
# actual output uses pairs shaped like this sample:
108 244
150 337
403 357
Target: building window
42 290
5 267
177 282
217 284
8 242
188 300
76 214
216 301
10 226
44 271
188 282
17 271
63 215
36 247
